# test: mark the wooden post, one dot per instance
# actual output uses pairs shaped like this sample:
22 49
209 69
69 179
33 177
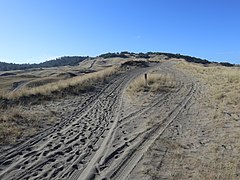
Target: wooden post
146 83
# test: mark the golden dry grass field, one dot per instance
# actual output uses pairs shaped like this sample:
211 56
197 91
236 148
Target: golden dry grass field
209 147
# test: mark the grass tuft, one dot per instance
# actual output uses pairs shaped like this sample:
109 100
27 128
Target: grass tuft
11 121
155 83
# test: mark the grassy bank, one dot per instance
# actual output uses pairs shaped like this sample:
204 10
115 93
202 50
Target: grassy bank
72 85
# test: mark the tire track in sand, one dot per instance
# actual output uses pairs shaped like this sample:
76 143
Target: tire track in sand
86 145
122 159
62 152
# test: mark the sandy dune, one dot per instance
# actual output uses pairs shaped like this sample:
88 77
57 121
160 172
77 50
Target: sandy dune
105 138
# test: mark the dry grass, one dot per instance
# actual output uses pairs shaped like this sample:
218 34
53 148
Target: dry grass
223 84
76 84
19 121
12 121
156 82
7 82
41 82
219 159
158 58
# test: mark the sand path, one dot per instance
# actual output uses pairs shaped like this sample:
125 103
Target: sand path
105 138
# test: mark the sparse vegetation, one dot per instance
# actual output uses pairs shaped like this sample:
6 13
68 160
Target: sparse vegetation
18 121
113 55
223 84
7 129
135 64
219 159
68 86
41 82
155 83
204 142
12 122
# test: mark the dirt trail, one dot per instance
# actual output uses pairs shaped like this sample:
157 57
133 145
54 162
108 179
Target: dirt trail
18 85
136 132
102 139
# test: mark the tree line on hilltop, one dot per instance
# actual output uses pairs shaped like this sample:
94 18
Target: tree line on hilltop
62 61
148 55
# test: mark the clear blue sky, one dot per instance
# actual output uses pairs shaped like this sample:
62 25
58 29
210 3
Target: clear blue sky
37 30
